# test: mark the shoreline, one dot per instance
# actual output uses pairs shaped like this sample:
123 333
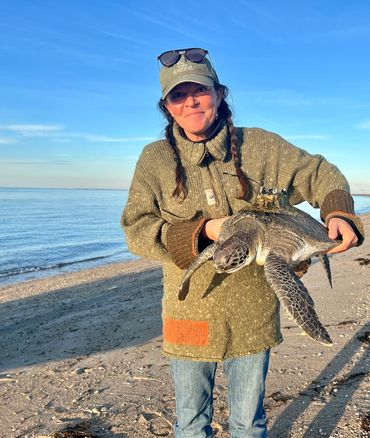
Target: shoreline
106 269
83 350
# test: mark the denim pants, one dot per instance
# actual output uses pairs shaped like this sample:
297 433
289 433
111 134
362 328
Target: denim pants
194 382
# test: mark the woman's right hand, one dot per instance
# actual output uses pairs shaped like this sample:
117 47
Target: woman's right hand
211 229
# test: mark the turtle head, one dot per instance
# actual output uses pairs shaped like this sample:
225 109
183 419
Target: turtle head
232 254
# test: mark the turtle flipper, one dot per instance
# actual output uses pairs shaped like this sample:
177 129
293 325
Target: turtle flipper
294 297
203 257
324 259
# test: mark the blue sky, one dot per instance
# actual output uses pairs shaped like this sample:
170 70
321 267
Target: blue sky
79 81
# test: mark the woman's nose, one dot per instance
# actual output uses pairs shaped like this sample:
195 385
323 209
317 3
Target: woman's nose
191 100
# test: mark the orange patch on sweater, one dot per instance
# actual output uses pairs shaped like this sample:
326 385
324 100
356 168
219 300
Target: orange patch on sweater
185 332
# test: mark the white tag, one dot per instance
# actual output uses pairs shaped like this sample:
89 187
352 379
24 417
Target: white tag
210 194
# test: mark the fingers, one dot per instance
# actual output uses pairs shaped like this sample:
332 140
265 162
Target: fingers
343 246
340 228
213 226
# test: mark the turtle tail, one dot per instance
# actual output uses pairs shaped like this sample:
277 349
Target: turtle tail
324 259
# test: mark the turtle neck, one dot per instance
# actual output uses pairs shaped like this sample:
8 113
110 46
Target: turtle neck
195 152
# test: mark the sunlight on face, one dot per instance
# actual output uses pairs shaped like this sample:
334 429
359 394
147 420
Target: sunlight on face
194 108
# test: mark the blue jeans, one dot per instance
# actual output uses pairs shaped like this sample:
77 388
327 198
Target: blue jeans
194 382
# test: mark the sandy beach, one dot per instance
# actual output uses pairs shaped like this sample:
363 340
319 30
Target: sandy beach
82 352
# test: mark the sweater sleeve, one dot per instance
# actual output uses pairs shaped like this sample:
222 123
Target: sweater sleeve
145 230
184 243
320 183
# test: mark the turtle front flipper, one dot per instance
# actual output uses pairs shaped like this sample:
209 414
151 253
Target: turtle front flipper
203 257
295 298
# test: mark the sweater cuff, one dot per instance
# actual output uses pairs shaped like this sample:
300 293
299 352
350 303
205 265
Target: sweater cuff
182 241
339 203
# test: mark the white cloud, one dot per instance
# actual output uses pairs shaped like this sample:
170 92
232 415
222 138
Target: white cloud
364 125
36 162
104 139
34 130
5 140
56 133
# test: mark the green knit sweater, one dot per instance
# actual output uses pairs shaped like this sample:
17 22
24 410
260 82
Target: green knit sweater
240 313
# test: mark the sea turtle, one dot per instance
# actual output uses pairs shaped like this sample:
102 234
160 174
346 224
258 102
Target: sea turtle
279 237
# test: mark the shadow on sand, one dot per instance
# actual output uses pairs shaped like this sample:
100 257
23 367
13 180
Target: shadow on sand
81 320
334 392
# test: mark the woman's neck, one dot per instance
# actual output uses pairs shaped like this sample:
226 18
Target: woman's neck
206 136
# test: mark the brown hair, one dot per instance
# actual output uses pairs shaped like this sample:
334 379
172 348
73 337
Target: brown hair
224 112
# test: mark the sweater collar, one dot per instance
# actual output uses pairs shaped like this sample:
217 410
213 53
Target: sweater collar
195 152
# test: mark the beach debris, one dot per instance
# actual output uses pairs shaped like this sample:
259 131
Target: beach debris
278 237
78 430
364 338
346 322
280 398
365 421
155 423
152 379
364 261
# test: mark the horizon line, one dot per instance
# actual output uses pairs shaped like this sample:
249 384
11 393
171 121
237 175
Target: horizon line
100 188
61 188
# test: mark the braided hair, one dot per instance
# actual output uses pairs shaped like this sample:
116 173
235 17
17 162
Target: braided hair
224 112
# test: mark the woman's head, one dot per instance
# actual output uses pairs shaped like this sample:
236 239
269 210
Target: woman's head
193 97
190 91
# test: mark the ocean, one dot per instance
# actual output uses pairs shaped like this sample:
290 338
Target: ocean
45 232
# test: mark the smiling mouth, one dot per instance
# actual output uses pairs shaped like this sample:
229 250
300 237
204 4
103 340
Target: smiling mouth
194 114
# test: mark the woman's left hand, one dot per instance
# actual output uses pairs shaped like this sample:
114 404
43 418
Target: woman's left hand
339 228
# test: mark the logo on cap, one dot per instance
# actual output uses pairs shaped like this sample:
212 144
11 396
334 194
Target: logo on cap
182 67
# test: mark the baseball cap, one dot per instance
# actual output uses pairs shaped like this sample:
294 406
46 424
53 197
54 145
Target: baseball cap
187 71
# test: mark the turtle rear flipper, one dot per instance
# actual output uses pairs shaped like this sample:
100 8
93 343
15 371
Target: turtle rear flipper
203 257
295 298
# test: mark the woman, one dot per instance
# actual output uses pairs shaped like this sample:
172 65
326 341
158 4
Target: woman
183 189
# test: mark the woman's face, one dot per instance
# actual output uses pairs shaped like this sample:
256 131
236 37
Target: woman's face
194 108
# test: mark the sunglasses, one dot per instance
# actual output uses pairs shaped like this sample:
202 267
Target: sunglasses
170 58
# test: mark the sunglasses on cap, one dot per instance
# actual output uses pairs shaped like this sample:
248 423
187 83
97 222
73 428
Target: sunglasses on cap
170 58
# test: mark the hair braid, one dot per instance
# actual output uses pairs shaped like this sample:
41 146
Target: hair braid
225 112
181 190
244 183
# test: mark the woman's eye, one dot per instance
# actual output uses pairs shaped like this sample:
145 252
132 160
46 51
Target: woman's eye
178 95
202 89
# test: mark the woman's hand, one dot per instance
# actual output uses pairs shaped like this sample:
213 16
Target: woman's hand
340 228
211 229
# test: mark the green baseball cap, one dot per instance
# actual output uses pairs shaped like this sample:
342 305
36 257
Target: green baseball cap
187 71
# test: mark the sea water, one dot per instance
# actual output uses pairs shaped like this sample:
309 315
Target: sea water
44 232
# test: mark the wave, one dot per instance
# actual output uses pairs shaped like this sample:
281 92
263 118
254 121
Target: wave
21 270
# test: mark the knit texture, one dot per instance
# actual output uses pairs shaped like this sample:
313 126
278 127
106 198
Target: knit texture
240 313
182 241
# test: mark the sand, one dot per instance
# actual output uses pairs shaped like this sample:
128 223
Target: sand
82 352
